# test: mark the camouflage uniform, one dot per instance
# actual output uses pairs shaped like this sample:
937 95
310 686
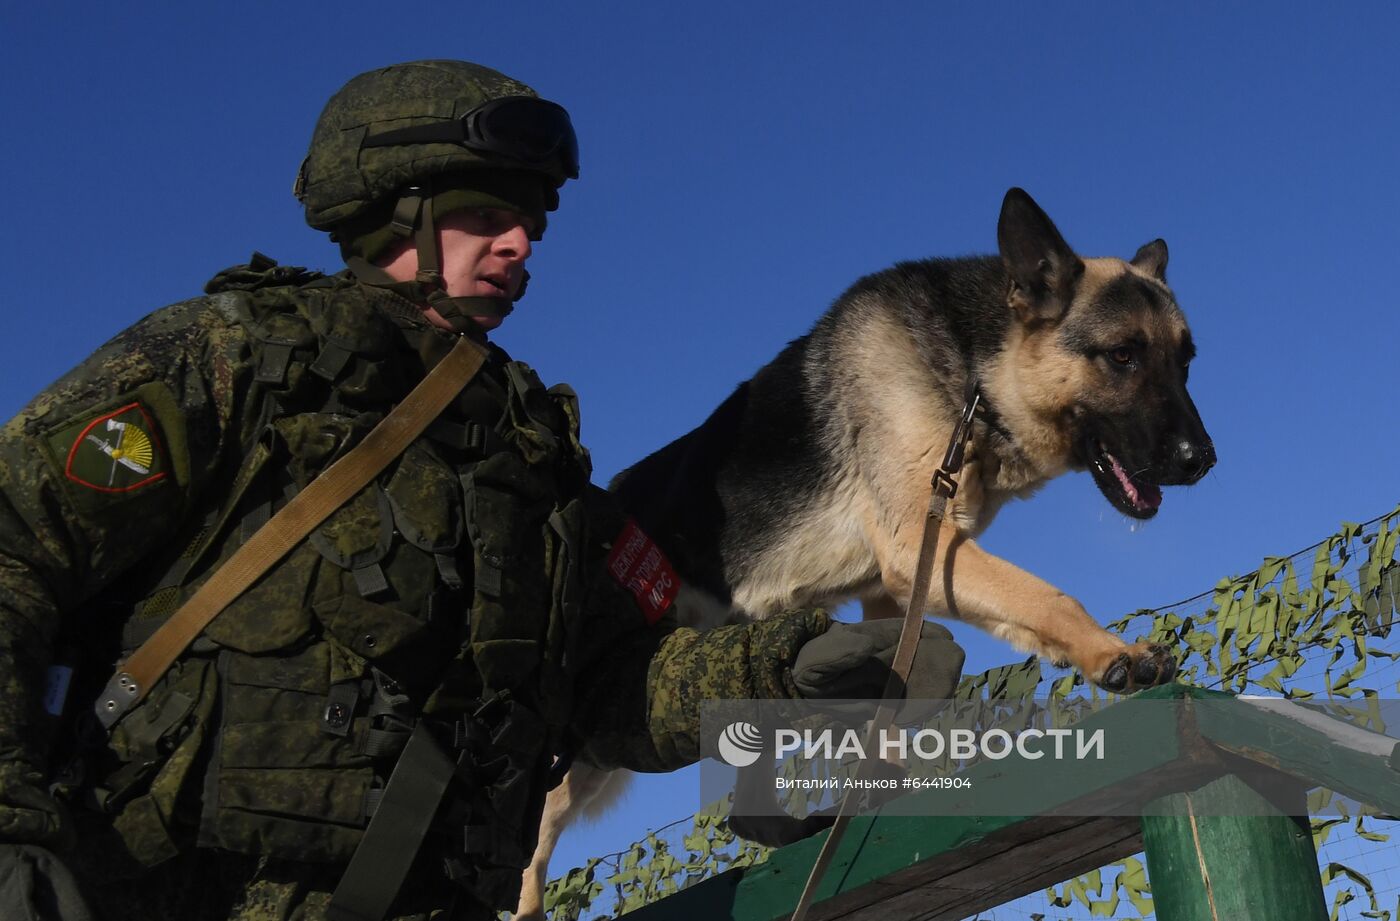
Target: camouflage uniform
467 585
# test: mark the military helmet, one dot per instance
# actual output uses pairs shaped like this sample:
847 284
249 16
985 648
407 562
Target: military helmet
390 128
399 147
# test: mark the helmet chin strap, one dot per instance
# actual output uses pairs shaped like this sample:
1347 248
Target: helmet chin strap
414 215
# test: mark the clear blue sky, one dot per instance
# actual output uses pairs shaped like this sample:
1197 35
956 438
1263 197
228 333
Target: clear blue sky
742 164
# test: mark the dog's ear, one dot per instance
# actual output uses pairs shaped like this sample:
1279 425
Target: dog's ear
1152 258
1044 270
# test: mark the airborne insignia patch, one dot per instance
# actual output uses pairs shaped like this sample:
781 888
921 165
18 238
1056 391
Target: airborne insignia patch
118 452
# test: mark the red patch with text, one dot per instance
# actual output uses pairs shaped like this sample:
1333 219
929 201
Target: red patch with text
639 566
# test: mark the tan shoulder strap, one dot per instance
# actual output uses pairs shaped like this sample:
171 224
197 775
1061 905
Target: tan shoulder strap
289 527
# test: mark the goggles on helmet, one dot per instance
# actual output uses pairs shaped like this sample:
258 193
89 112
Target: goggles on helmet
531 131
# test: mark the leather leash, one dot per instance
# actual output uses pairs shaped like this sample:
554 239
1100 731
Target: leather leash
945 487
274 540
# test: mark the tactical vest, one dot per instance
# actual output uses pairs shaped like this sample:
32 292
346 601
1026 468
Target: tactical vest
445 589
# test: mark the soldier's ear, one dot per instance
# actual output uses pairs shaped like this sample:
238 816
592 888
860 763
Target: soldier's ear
1044 271
1152 258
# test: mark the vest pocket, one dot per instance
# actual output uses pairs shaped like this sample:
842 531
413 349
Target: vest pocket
426 502
278 783
357 537
410 533
507 510
506 507
399 642
564 543
162 740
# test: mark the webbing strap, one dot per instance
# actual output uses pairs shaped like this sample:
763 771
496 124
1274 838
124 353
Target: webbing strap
945 486
425 238
377 868
274 540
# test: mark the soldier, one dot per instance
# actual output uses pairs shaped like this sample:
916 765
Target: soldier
472 595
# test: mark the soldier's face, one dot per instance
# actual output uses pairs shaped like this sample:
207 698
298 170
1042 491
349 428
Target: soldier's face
483 254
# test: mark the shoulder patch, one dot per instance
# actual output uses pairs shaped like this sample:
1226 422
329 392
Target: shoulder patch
119 451
639 566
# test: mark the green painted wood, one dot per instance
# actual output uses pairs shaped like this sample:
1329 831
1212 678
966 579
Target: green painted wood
1207 866
877 845
891 866
1020 858
1321 751
711 900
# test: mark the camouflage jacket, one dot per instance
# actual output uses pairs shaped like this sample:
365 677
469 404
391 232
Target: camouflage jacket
477 582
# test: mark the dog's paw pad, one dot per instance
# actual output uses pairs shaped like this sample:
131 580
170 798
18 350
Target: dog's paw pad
1115 677
1145 672
1139 666
1166 662
1142 666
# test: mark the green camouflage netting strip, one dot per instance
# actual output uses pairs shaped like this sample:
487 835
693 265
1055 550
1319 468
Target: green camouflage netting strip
1302 626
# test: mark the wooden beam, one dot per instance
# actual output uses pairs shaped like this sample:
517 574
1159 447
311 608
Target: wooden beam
954 853
1026 857
1209 862
1303 741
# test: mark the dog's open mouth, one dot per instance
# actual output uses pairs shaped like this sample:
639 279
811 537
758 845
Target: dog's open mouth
1130 494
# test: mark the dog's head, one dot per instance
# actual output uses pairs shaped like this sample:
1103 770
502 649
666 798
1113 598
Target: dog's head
1102 352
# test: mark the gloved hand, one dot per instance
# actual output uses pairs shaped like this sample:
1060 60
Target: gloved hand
36 886
853 661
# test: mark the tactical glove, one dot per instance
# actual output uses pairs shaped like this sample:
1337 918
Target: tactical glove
852 661
36 886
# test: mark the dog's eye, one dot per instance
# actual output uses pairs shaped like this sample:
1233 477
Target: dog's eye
1121 356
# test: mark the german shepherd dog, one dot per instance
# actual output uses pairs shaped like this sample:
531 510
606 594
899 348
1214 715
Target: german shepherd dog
809 485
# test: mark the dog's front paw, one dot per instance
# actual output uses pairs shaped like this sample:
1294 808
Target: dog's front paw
1141 665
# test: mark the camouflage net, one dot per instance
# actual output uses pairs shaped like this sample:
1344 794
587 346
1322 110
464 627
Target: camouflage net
1314 624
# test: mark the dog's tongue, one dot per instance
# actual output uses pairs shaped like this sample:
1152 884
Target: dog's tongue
1143 495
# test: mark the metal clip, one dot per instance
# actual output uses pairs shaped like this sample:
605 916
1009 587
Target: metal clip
119 694
962 433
